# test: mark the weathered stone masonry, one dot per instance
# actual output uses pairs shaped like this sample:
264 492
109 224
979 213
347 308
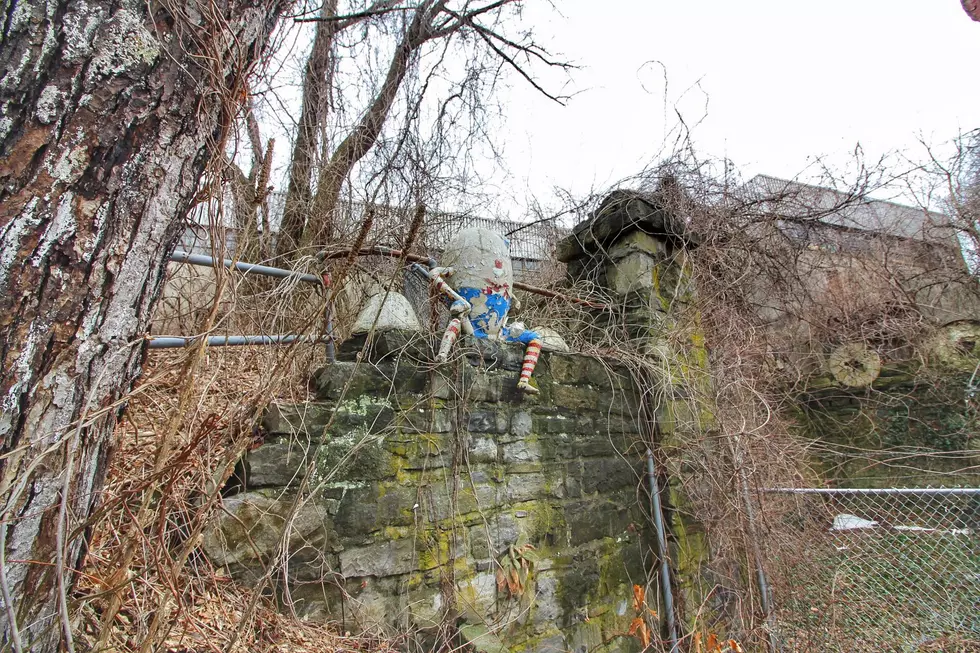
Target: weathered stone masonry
425 482
438 496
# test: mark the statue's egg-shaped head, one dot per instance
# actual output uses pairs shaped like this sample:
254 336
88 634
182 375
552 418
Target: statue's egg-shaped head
482 273
480 258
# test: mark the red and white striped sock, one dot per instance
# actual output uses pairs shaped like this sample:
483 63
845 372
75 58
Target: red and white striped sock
530 361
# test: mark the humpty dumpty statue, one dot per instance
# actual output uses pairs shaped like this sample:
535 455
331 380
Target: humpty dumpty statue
478 262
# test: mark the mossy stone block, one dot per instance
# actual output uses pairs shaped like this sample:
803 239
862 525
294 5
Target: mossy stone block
277 464
304 419
595 519
577 398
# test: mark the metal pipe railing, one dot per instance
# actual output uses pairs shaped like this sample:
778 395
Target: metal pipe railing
172 342
265 270
658 521
203 260
180 256
379 250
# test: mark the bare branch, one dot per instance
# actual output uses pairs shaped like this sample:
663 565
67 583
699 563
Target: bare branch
488 36
349 19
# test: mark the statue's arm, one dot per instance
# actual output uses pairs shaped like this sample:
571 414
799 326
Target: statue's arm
436 275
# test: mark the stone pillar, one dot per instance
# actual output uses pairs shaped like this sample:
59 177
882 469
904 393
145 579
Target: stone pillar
634 251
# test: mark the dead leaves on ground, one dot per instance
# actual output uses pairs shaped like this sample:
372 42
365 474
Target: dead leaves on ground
205 607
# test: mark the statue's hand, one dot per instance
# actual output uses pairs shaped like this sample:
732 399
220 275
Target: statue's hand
435 273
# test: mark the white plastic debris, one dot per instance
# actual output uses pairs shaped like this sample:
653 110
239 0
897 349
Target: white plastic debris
847 522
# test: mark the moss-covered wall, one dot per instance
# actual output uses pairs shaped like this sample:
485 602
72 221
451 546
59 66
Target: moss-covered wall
440 495
914 426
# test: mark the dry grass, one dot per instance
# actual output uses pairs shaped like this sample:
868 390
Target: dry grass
204 607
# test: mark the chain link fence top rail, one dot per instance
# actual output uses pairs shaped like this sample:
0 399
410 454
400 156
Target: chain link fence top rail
874 569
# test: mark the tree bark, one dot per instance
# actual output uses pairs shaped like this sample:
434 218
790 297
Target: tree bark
109 114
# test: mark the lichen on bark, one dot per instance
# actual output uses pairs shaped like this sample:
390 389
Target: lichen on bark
109 119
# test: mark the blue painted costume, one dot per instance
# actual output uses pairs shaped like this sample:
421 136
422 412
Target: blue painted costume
498 305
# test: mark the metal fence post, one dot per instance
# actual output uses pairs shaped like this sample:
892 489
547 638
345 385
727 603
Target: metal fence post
760 572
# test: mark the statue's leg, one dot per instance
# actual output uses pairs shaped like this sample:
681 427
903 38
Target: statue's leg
527 369
448 338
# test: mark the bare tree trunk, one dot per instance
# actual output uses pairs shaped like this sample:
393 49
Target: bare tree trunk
246 201
365 134
249 194
312 117
110 114
309 217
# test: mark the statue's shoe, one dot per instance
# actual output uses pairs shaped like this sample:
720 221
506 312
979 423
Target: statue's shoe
527 387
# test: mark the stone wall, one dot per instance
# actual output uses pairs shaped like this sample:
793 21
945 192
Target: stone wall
438 501
435 496
914 425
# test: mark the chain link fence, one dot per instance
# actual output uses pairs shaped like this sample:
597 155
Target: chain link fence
875 569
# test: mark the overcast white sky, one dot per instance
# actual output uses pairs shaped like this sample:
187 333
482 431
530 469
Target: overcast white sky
770 84
780 82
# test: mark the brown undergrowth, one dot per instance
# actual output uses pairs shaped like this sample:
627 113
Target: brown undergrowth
205 610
